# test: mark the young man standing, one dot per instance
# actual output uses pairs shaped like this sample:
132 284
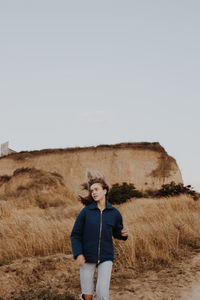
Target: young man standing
91 239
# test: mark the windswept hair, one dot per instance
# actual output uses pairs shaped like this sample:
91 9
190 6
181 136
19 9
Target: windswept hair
91 178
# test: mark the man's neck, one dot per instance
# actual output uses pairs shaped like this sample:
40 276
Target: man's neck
101 204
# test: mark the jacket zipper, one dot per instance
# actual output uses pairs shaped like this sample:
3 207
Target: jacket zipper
100 237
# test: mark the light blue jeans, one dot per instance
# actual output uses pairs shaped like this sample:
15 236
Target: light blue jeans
87 274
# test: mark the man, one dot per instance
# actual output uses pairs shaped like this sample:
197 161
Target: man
91 239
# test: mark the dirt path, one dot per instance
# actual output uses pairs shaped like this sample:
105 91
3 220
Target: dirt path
193 292
58 274
180 282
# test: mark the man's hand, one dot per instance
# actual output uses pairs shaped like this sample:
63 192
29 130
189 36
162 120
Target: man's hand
124 232
80 260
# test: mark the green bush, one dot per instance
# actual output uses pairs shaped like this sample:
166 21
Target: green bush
121 193
173 189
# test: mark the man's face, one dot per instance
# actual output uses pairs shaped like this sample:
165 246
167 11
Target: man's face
97 192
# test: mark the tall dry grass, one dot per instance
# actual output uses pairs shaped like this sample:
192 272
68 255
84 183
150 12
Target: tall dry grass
159 230
36 214
34 231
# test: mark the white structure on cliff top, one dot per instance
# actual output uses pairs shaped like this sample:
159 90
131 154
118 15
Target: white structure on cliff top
5 150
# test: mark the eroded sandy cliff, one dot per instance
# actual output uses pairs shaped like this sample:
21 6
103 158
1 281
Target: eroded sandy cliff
146 165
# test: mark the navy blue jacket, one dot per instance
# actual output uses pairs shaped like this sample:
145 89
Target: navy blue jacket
93 230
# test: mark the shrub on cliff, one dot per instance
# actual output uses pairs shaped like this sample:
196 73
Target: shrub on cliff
172 189
121 193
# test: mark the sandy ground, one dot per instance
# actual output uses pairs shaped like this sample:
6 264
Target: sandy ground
60 274
180 282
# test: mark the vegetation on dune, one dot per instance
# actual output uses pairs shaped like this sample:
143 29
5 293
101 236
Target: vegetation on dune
161 230
120 193
173 189
37 224
34 187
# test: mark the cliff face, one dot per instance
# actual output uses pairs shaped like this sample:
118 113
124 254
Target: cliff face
146 165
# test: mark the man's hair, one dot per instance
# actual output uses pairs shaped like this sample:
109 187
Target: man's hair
86 186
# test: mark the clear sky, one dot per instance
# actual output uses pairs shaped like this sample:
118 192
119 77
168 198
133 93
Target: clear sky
83 73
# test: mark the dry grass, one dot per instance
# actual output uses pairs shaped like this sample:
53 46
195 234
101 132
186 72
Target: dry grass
36 213
35 231
29 187
159 230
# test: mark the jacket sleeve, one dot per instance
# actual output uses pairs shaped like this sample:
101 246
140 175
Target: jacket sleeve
76 234
118 227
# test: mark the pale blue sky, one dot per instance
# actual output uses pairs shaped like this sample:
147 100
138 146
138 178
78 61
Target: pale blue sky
82 73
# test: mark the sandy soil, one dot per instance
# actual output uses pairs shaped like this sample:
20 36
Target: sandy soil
180 282
59 274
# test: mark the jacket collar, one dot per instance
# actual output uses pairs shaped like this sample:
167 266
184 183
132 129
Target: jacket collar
93 205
